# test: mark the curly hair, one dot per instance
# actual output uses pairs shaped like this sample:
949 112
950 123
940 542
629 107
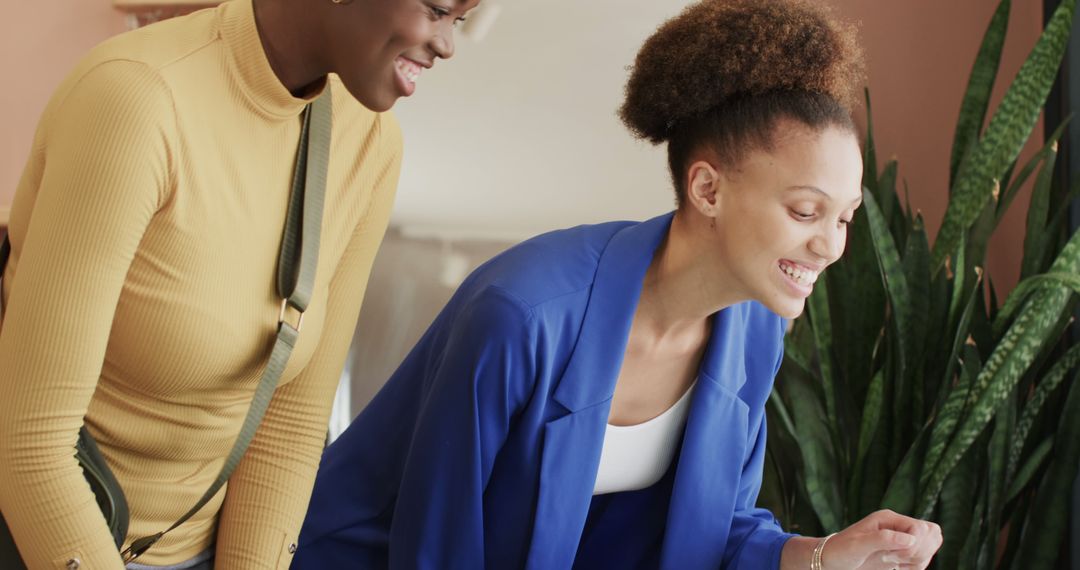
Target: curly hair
723 71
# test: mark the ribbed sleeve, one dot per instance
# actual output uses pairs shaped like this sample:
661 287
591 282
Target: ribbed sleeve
260 522
139 299
106 172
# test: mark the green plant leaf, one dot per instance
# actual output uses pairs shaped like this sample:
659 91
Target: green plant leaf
799 347
952 401
888 200
1033 463
871 417
857 311
980 86
817 306
875 472
1038 159
870 169
1036 236
1034 405
1028 286
1008 362
1009 128
901 493
979 233
975 542
952 412
815 446
1004 423
917 270
886 191
872 412
1048 519
783 415
892 272
939 337
958 505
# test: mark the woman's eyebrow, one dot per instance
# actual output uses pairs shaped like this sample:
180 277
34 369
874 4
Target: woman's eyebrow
857 201
814 189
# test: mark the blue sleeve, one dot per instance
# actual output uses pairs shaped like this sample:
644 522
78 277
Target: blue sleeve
756 539
485 374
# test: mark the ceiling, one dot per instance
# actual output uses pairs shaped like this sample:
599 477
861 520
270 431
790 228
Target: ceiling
517 133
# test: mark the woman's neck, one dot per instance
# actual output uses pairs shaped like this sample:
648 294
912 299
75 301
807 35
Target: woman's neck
286 33
681 288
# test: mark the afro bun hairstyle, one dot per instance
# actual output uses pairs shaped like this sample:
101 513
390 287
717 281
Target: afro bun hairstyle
717 50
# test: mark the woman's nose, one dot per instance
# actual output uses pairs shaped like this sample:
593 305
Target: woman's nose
829 244
443 42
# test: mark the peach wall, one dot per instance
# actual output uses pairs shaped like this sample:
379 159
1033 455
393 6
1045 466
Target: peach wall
920 54
39 43
919 51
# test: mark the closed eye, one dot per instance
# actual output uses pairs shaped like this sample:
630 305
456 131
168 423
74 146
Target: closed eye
438 13
802 216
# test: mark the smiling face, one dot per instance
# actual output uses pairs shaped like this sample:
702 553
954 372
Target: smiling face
781 216
380 47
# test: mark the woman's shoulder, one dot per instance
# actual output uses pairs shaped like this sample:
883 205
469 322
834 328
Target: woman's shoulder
155 47
548 266
132 64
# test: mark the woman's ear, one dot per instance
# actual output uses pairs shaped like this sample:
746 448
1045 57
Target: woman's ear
702 184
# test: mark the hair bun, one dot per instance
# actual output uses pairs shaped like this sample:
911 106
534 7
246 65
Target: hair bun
717 49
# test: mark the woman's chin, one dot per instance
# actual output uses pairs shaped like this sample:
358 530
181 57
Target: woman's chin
788 308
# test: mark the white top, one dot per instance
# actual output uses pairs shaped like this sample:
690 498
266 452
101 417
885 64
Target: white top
635 457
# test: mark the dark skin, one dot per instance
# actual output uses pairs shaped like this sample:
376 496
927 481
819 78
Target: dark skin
365 42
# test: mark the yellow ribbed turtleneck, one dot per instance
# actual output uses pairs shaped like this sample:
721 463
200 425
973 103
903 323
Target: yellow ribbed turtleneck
140 294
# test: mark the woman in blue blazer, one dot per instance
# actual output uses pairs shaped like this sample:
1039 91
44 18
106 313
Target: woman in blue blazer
492 447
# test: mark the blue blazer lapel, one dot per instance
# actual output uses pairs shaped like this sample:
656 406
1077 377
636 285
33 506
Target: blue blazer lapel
594 366
573 442
711 459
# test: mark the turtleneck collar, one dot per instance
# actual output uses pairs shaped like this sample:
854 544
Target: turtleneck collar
249 61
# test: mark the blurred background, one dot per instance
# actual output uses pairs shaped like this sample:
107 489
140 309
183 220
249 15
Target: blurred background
517 134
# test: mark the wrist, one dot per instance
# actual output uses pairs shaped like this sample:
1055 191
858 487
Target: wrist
797 552
818 555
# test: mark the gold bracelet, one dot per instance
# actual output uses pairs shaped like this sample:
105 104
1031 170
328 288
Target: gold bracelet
815 560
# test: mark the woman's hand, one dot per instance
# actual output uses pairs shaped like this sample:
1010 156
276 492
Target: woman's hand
882 541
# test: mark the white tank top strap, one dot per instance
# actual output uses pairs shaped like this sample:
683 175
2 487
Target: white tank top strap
637 456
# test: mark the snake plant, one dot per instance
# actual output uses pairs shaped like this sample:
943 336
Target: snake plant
907 385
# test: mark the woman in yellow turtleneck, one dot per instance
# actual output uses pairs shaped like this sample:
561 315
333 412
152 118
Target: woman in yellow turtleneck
139 297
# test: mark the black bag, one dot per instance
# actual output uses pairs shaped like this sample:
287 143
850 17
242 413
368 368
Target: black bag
107 491
109 495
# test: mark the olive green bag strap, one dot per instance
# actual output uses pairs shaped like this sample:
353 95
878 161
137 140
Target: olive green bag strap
295 282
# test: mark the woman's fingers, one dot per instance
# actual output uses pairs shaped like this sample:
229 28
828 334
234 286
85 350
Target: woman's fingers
929 541
888 540
886 561
927 537
867 548
926 534
885 540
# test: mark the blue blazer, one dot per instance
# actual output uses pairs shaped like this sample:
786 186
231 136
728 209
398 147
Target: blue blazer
483 447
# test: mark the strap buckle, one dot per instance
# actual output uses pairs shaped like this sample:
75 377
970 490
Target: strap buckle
139 546
281 316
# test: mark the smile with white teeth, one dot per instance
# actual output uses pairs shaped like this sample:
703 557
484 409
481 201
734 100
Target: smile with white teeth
801 276
409 69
